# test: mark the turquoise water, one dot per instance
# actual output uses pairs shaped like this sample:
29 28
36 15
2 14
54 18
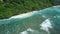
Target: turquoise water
45 21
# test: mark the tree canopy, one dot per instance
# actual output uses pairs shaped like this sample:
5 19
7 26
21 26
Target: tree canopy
9 8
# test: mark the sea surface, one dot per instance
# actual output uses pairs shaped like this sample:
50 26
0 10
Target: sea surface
45 21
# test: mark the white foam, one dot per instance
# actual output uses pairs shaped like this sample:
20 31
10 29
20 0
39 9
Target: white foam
57 6
29 29
24 15
46 25
24 32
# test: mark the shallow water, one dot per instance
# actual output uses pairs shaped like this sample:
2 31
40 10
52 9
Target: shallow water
45 21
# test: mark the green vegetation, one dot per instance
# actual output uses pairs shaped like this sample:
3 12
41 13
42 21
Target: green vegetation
9 8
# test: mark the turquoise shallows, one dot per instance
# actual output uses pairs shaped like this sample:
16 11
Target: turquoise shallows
45 21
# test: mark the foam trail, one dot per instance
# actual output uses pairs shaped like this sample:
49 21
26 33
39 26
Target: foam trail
46 25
